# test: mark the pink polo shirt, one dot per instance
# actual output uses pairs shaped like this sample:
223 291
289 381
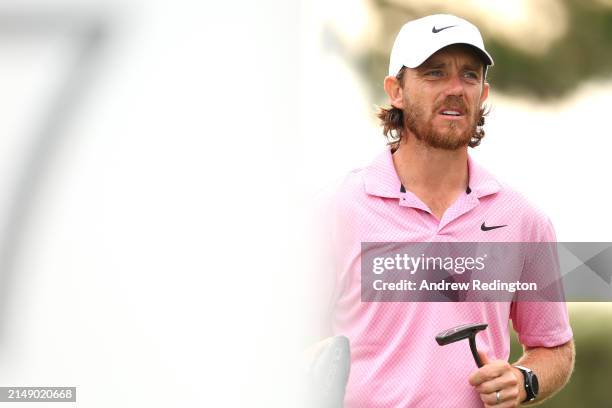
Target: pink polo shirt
395 360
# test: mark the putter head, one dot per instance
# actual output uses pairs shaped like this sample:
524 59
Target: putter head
464 331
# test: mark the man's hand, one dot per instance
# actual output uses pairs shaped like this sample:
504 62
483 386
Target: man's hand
498 376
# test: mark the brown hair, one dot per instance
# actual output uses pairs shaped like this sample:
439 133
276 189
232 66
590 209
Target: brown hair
392 121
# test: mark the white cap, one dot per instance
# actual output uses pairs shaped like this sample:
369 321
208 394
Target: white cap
419 39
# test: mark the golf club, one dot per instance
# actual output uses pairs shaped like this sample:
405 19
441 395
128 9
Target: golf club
465 331
329 374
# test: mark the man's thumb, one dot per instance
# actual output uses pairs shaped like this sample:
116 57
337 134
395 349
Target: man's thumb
483 357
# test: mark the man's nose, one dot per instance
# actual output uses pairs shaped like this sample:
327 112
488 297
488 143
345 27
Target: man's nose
455 85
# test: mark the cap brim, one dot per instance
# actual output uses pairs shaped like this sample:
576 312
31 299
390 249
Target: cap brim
418 60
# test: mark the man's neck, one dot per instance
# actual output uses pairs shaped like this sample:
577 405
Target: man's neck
420 166
436 176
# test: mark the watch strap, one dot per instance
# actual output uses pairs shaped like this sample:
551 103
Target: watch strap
528 383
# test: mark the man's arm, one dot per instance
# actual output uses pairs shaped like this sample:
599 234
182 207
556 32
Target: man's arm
553 366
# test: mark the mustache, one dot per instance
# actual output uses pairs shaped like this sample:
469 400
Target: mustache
453 102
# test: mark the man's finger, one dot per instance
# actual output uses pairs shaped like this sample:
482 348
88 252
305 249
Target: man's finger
476 379
505 395
508 380
486 373
507 404
483 357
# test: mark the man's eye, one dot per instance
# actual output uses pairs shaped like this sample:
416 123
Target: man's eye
435 73
471 75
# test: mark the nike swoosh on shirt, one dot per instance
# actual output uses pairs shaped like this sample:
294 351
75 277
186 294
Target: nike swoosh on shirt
437 30
485 228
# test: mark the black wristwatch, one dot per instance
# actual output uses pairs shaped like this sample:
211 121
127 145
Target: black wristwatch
531 383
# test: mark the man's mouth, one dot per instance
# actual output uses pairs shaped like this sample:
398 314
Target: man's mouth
452 112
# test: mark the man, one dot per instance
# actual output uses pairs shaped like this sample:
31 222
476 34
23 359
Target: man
426 188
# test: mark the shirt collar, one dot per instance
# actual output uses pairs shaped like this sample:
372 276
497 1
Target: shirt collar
381 179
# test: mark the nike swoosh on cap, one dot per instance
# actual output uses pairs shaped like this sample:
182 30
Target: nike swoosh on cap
437 30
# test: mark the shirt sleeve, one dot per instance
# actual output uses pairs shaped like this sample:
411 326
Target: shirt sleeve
546 323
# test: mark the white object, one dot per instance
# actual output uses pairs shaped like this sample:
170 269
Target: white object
419 39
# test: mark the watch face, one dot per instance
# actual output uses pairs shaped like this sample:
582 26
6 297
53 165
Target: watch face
534 384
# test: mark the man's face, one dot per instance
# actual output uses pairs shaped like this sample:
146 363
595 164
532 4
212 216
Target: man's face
443 96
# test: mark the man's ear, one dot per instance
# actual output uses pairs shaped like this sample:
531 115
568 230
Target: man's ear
394 91
485 93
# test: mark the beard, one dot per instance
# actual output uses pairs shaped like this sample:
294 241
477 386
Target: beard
451 137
